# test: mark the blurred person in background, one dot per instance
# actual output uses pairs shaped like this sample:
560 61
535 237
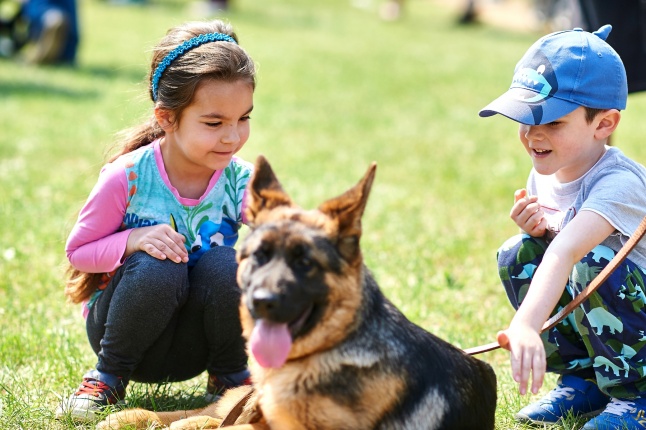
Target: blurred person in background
391 10
13 27
208 8
628 18
53 31
550 15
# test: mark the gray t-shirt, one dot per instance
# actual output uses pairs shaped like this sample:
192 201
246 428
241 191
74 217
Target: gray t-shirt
615 188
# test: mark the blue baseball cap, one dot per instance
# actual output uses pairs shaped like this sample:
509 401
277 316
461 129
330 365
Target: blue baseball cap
560 72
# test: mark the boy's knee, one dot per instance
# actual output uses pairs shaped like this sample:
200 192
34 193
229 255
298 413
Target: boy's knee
600 256
521 249
508 251
591 264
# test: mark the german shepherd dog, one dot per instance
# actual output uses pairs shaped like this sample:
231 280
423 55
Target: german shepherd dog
330 350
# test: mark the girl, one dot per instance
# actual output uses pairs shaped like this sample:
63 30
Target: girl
151 252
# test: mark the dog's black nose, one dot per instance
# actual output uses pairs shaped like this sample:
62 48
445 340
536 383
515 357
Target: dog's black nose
264 303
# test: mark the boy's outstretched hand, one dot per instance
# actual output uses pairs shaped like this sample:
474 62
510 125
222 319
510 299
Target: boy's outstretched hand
527 355
527 214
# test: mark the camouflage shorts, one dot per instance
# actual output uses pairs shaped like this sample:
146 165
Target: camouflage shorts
607 333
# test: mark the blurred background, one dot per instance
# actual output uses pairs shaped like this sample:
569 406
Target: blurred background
341 83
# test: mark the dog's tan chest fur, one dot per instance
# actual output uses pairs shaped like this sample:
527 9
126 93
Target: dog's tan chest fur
290 397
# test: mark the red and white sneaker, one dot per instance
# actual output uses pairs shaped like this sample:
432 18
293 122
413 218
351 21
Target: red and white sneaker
97 391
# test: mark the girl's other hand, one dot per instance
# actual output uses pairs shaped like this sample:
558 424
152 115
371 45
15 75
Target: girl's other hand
527 214
159 241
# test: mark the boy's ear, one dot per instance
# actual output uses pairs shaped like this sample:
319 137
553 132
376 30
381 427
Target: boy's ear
608 122
165 118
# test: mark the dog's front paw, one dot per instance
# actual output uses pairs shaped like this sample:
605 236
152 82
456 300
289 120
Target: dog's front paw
130 418
195 423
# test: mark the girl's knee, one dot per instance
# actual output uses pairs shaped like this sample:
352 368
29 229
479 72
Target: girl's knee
214 280
141 260
144 271
217 263
219 256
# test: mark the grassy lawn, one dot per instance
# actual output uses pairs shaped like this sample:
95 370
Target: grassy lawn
337 89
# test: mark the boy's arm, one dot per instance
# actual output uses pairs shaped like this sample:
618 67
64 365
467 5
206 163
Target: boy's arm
584 232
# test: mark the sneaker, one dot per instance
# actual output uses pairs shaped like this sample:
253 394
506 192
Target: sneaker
97 391
572 395
619 415
216 385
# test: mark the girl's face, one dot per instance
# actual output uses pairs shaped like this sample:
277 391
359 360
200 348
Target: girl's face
567 147
212 128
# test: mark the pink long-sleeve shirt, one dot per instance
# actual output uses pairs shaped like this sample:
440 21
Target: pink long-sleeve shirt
97 242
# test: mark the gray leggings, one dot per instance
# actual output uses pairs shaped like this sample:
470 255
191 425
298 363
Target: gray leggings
157 321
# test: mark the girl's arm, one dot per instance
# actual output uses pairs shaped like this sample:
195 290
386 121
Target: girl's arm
577 239
95 244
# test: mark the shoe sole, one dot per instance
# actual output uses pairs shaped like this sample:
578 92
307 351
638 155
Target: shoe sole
523 419
84 415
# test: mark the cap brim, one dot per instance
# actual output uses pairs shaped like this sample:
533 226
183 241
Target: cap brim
511 105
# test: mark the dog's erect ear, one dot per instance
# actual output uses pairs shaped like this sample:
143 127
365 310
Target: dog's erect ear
347 209
264 191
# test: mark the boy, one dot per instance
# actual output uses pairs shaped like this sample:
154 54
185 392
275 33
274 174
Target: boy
582 202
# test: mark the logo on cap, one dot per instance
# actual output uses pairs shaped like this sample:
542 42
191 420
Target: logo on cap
534 80
537 76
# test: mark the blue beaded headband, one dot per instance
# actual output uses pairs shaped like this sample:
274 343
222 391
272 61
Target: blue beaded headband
181 49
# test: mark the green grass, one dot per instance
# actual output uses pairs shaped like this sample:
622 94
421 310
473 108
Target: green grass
337 90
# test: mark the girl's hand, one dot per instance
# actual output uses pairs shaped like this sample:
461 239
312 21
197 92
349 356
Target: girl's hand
527 355
159 241
527 214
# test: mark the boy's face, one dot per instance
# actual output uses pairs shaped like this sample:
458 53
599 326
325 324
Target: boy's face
567 147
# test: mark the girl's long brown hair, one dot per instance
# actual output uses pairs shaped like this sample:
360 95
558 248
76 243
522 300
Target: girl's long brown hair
219 61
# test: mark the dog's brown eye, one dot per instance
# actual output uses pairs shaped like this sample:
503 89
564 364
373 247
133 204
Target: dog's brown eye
263 253
304 263
300 259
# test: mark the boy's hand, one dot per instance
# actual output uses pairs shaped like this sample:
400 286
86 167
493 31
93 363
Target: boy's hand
527 214
527 355
159 241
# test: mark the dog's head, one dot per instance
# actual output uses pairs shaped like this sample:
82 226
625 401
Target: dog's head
300 270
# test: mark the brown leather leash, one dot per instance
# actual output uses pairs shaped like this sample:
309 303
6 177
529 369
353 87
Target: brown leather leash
580 298
236 411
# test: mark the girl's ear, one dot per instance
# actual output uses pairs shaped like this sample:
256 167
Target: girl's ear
608 122
165 119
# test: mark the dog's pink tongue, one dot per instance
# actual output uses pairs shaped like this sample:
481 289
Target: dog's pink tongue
270 343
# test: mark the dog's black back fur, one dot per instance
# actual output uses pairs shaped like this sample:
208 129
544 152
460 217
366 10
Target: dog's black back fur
466 385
